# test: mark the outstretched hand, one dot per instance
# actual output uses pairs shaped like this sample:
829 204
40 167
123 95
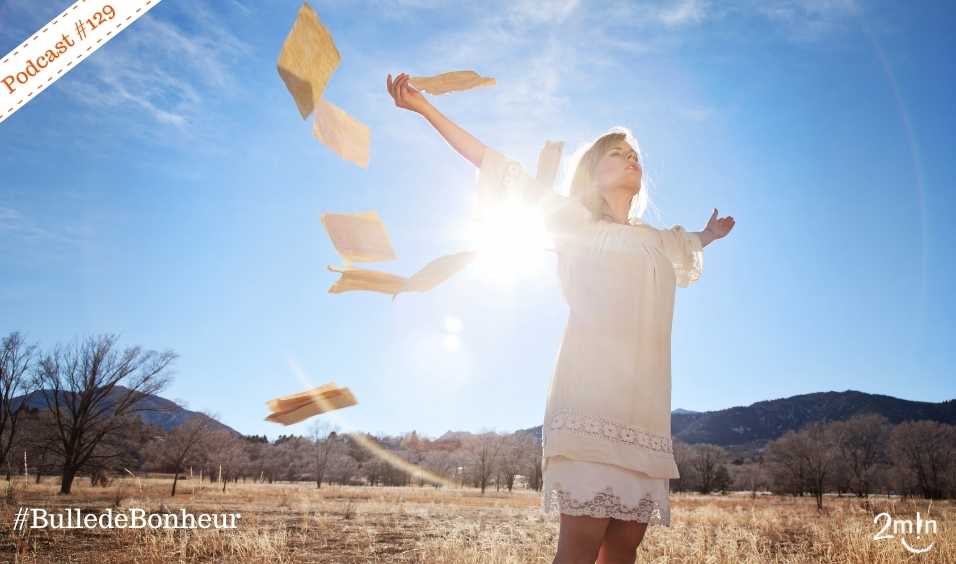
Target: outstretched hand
405 95
719 227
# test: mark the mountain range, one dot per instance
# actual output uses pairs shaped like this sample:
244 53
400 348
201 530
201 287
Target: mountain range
745 429
741 429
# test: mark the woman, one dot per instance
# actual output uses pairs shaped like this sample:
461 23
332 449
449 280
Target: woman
607 454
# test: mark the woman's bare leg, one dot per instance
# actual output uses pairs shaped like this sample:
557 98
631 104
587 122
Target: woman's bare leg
621 540
579 539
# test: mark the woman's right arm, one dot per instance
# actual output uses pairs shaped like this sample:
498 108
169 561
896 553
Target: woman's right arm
411 99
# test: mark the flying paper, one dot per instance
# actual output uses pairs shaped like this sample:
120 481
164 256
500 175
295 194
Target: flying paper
439 270
359 237
342 133
450 82
298 400
307 60
299 407
433 274
362 279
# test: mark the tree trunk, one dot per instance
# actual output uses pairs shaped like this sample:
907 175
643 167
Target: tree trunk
66 482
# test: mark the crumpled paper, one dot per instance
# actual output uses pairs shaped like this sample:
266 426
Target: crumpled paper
301 406
450 82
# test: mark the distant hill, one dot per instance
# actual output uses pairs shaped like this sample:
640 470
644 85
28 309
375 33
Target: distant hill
157 410
766 420
748 428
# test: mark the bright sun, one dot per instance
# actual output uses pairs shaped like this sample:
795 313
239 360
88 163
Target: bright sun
511 239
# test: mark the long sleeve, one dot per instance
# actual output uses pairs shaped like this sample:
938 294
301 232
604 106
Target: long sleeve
683 248
501 179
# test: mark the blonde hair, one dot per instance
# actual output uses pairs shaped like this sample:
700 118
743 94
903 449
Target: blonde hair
580 185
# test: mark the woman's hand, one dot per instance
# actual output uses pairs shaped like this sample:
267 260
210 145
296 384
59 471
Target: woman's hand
405 95
719 228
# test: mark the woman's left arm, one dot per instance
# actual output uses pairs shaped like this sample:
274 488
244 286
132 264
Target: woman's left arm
717 228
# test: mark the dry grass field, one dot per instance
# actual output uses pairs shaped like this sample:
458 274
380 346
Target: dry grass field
299 523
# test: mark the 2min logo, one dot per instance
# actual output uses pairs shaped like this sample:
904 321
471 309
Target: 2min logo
905 527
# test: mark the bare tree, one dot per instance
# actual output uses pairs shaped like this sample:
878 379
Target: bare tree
90 389
293 457
789 466
707 460
750 476
439 462
819 454
530 449
925 451
325 440
862 442
225 455
484 450
39 440
683 457
511 458
342 468
183 444
16 360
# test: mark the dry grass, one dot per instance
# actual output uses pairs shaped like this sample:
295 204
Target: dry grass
297 522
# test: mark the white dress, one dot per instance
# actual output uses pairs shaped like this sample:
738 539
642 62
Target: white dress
607 448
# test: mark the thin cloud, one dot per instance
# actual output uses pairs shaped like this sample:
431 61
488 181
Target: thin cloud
535 12
15 225
163 67
807 20
683 13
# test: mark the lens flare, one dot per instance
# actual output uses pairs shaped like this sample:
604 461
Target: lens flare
452 342
368 444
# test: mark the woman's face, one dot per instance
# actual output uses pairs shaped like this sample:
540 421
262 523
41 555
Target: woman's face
618 168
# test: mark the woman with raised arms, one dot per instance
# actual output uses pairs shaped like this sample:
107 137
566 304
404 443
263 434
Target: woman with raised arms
607 453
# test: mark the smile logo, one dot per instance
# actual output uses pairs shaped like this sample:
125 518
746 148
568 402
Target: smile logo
911 532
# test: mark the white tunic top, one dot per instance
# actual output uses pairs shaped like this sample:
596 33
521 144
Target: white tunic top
610 396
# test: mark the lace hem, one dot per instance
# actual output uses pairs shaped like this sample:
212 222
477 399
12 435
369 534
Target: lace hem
608 429
606 504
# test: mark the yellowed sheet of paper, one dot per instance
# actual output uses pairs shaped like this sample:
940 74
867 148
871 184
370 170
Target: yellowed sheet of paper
307 60
548 160
348 137
297 400
359 237
438 271
450 82
330 401
353 279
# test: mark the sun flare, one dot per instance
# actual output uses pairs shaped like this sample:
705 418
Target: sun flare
511 239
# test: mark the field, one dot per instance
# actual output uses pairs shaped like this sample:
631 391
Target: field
296 522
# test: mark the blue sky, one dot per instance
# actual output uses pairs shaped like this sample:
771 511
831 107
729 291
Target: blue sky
167 190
